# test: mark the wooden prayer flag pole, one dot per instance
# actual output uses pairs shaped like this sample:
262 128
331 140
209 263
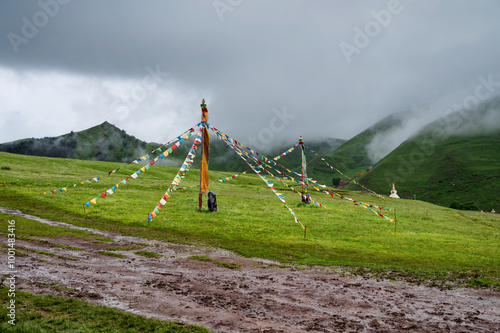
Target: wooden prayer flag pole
204 154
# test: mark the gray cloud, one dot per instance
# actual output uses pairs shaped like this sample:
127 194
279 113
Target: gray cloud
262 55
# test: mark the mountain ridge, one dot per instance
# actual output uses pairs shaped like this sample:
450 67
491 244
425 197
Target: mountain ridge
453 161
103 142
107 142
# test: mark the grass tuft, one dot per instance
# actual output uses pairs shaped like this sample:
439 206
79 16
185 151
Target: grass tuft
148 254
229 265
113 254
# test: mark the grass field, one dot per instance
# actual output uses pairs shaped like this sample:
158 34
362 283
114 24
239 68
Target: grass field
253 222
47 313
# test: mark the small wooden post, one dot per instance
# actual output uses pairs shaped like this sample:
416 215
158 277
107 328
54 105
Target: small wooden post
395 220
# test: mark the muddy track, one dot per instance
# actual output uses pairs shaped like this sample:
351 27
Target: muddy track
259 296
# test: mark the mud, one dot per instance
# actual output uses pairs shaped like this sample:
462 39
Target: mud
259 296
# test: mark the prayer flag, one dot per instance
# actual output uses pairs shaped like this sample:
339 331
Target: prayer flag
204 161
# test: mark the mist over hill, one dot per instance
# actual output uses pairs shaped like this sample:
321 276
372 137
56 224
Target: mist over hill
481 117
353 156
452 161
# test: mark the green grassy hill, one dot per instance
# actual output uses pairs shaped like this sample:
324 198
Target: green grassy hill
454 160
104 142
352 156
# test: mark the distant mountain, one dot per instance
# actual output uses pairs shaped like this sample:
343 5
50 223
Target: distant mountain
352 156
104 142
453 161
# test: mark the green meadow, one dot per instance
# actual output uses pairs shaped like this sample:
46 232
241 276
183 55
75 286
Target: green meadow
48 313
430 240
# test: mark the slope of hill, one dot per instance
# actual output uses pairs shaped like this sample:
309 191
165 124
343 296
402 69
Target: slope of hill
352 156
453 161
104 142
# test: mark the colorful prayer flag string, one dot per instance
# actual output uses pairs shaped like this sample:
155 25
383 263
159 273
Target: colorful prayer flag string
141 170
340 172
314 185
234 146
177 179
185 135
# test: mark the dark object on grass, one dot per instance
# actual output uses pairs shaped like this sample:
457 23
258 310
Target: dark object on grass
212 201
306 198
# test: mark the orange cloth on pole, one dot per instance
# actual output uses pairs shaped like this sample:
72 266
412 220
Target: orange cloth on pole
204 162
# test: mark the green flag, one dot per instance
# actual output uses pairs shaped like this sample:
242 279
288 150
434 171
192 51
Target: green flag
304 166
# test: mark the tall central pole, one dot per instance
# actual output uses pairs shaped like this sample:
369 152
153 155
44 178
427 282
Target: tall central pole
204 154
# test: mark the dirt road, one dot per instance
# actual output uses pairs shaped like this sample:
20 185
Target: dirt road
258 296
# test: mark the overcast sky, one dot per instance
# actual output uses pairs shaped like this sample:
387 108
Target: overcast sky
267 69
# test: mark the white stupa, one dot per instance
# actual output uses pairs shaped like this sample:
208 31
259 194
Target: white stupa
394 193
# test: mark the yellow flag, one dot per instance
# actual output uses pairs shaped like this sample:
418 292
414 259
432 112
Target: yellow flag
204 162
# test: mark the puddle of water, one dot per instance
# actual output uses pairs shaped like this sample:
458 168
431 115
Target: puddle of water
49 222
122 238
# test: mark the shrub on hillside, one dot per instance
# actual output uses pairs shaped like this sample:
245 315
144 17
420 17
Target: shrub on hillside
464 206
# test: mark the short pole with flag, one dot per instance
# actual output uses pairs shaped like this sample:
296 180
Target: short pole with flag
302 163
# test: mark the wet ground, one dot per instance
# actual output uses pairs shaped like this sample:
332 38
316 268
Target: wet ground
246 295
